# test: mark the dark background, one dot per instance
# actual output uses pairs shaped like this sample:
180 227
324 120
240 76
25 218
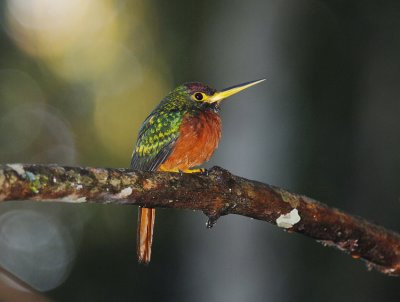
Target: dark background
78 77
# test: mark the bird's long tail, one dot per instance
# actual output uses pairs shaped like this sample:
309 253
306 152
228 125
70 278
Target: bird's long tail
145 233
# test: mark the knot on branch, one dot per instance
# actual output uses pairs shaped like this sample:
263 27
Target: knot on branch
223 181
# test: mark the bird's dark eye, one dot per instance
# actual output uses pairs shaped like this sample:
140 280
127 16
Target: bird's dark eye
198 96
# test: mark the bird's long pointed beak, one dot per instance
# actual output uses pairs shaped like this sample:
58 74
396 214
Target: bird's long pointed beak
227 92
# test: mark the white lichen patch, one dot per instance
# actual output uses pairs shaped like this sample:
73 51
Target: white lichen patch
73 199
30 176
17 168
125 192
288 220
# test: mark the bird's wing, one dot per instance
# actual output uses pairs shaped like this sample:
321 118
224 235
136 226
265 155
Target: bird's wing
156 140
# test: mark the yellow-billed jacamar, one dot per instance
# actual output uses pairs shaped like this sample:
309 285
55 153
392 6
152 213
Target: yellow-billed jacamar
182 132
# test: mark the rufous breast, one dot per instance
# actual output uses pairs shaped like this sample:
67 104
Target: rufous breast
199 137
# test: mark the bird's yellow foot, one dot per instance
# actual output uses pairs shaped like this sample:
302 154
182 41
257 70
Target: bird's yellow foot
190 171
200 170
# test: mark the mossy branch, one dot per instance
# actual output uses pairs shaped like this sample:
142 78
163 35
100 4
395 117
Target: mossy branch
217 193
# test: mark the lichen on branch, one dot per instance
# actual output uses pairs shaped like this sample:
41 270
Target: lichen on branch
216 193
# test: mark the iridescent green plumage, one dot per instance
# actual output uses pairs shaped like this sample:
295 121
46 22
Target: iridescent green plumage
160 130
156 139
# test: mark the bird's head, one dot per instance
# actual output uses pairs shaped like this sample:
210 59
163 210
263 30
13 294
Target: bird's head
199 95
199 92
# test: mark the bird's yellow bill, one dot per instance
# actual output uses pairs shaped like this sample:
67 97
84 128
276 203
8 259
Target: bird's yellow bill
227 92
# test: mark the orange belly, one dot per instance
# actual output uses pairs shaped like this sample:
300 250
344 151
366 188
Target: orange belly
199 137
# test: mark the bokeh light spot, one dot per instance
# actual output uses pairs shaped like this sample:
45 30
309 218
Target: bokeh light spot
35 248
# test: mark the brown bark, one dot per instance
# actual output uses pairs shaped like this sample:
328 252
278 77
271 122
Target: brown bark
216 193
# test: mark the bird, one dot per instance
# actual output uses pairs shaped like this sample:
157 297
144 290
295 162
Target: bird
179 135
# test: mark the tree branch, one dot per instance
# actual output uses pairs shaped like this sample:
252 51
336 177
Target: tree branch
217 193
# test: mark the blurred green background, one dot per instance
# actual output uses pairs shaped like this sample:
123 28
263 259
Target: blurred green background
77 78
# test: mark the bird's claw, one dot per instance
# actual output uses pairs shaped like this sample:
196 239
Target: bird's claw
204 171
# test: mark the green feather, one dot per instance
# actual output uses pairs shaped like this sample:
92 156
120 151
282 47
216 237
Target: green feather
156 139
159 132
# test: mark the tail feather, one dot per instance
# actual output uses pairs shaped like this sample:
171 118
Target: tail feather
145 233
